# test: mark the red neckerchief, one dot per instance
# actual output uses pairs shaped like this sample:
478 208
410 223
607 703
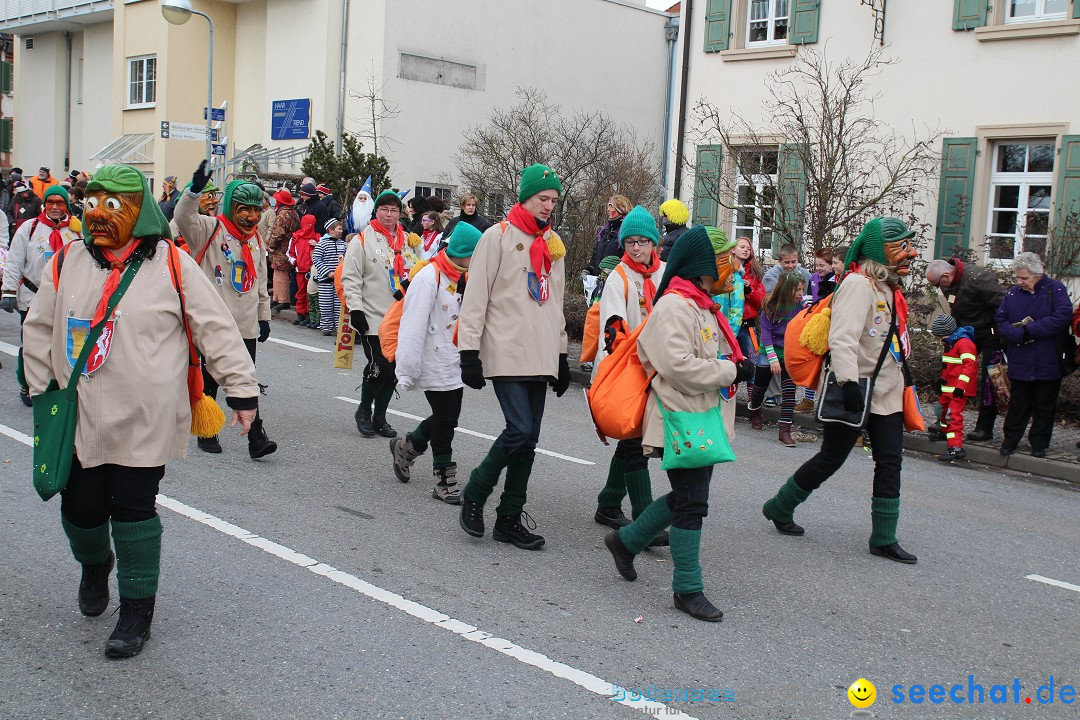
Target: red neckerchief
396 241
113 281
447 267
56 240
646 272
959 264
245 249
900 309
690 291
429 237
539 253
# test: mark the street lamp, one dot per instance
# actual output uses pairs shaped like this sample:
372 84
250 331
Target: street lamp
179 12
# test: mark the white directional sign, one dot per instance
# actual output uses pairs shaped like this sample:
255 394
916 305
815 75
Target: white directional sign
185 131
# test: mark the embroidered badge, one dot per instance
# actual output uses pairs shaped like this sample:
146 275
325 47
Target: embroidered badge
540 288
241 279
77 330
882 307
395 281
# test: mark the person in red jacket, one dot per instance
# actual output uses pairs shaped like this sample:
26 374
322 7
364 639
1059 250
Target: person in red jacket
742 257
959 370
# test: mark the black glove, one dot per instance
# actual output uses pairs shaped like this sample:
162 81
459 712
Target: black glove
264 330
853 399
958 392
200 178
1027 336
745 370
358 321
472 370
9 303
563 381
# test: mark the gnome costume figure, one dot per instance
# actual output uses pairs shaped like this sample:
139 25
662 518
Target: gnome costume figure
153 307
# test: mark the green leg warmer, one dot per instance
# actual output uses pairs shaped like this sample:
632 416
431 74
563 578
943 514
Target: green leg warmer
884 516
90 546
138 557
685 554
485 476
383 394
515 491
419 440
638 534
781 507
615 489
639 485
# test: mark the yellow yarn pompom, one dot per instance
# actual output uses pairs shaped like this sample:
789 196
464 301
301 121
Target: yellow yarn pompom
555 246
420 265
815 335
414 240
207 419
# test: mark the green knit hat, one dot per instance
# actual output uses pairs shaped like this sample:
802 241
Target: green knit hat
537 178
388 197
691 257
872 239
609 263
719 240
241 192
639 223
58 190
126 179
462 240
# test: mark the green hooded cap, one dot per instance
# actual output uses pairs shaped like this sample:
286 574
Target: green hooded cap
241 192
126 179
719 240
691 257
872 239
58 190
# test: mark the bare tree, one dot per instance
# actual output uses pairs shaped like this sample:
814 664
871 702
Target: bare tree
837 164
593 156
376 110
1062 252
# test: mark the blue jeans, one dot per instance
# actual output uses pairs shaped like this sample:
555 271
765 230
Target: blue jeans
522 403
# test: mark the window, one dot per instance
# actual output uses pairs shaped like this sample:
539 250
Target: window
443 192
495 205
142 81
767 23
6 134
1019 213
755 184
7 77
1030 10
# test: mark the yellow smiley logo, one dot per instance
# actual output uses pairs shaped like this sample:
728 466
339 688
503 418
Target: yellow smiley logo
862 693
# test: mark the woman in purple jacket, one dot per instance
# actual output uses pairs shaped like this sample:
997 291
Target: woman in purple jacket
1034 322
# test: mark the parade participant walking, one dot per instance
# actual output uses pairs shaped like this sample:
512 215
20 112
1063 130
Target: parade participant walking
630 294
231 253
301 246
428 360
324 262
30 250
1033 320
377 261
868 323
682 343
135 414
674 215
208 207
286 222
958 373
512 330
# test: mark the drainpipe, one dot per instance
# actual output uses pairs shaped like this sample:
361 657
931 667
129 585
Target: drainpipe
341 89
67 106
682 97
671 32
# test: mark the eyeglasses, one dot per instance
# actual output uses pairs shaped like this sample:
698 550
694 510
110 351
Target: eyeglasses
646 241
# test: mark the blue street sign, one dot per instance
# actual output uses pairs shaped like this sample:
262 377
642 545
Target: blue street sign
290 119
217 150
218 115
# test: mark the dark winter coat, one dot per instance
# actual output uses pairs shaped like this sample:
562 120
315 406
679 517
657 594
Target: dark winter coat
317 207
477 220
607 244
23 209
1034 350
168 205
974 298
671 234
333 209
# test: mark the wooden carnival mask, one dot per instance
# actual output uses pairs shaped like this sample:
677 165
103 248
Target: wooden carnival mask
110 217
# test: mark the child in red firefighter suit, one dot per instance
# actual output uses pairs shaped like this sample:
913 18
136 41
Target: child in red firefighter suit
959 370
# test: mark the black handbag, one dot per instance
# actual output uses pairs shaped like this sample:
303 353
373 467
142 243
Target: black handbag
831 406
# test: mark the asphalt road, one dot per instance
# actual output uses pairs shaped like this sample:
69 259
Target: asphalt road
314 584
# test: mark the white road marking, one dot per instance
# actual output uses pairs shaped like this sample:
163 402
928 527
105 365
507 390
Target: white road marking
16 435
298 346
462 430
1055 583
12 350
583 679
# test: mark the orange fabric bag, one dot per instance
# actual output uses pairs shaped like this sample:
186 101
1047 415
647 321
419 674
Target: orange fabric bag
803 364
590 338
391 323
913 417
618 394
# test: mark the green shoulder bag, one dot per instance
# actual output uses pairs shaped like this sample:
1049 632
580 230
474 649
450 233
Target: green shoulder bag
694 440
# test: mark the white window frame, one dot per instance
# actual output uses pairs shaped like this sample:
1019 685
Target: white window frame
1039 16
1025 180
761 182
131 63
445 192
770 19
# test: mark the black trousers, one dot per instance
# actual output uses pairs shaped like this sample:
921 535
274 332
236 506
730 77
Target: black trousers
125 494
1035 400
689 496
210 386
630 452
379 371
886 443
987 413
439 427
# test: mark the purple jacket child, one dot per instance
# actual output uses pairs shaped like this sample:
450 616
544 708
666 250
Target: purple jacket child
1034 350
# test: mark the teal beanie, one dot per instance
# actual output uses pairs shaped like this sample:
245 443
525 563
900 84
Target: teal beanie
58 190
462 240
691 257
537 178
639 223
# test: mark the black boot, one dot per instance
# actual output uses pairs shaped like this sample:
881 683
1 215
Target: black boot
662 539
697 605
382 427
624 559
363 422
471 518
210 445
94 587
508 529
300 319
894 552
133 629
258 444
613 517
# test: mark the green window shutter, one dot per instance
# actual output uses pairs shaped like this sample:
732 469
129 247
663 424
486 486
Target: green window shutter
804 22
954 195
6 134
707 184
6 77
969 14
792 190
1076 9
1065 232
717 25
